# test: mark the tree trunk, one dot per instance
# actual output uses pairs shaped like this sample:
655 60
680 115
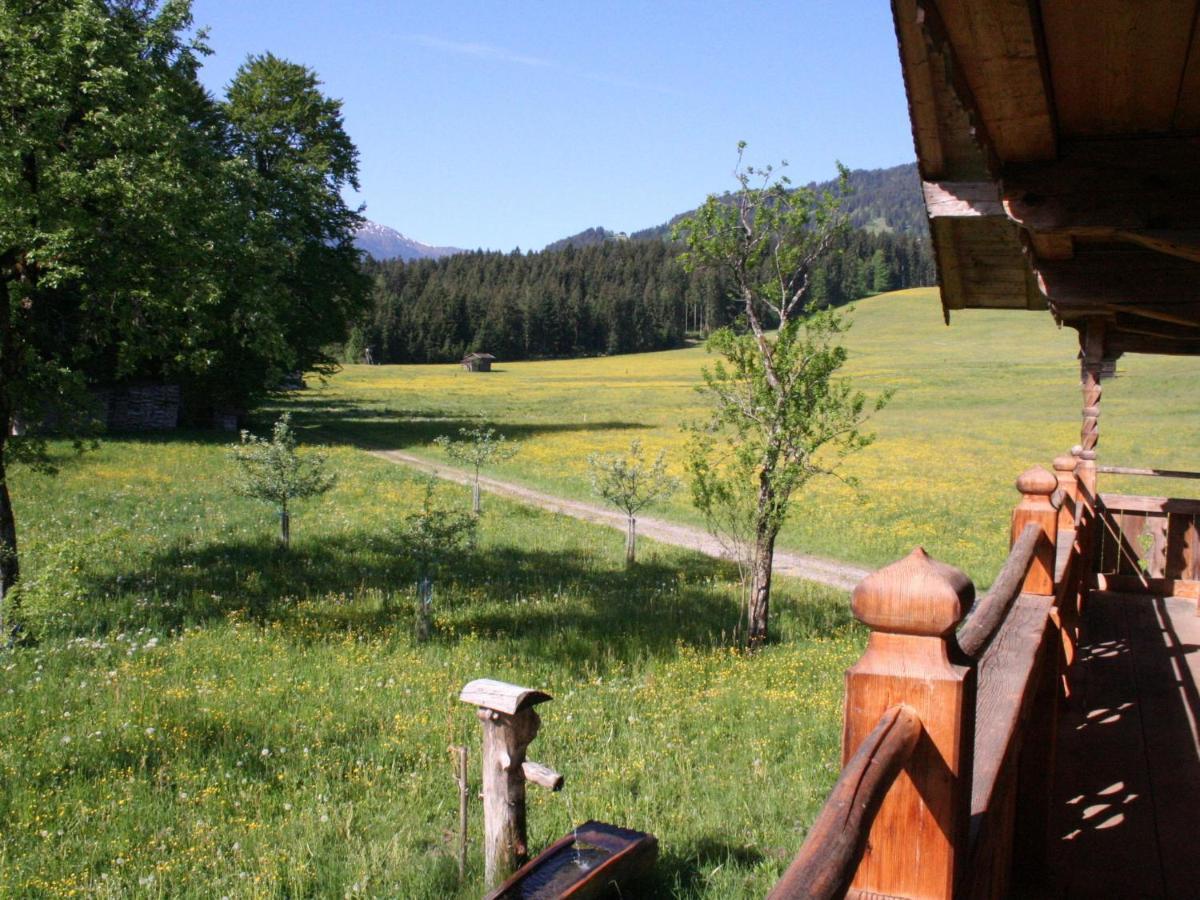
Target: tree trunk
631 542
10 569
475 505
760 589
285 528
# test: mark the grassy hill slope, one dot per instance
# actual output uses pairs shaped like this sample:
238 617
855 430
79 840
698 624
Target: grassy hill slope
975 404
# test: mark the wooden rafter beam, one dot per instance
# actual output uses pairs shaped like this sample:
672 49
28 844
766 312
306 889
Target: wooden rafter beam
962 199
950 135
1138 343
1156 333
1155 314
1000 51
1098 277
1186 117
1144 192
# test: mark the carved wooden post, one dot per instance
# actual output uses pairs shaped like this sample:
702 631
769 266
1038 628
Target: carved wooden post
1068 594
509 725
1091 338
1068 489
918 841
1037 487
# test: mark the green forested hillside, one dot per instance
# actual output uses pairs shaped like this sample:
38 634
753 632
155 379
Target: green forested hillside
887 200
598 293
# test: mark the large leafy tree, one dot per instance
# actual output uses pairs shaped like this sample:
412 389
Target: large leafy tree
149 231
780 413
108 199
299 267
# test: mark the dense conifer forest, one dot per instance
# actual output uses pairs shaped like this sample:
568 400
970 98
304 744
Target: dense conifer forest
614 296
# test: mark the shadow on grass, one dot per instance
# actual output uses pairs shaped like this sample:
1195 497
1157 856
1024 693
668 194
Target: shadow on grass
571 607
393 429
686 869
369 428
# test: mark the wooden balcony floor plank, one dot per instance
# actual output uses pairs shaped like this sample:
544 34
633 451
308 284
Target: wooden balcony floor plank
1104 838
1165 638
1128 767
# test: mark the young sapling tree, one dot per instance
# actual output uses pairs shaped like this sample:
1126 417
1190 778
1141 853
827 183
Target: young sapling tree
431 536
477 447
631 484
272 471
780 415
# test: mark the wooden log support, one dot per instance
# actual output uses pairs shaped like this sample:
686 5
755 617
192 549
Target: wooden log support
509 725
980 626
823 867
1037 487
918 841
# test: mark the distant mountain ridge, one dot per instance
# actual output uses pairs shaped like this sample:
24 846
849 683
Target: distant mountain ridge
880 200
382 242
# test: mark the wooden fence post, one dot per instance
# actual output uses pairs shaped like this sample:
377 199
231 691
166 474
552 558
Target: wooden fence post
1037 487
509 725
918 841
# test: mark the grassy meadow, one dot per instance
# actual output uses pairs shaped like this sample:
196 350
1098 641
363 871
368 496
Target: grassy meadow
206 716
975 404
203 715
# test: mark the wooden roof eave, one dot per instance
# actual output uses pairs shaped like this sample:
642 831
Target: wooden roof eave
1009 205
981 260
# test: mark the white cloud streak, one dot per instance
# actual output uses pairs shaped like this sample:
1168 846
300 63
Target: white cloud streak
479 51
499 54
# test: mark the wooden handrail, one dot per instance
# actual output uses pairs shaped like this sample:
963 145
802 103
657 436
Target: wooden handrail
1154 473
830 854
985 619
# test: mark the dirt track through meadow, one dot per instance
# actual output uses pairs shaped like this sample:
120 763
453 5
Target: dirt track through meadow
796 565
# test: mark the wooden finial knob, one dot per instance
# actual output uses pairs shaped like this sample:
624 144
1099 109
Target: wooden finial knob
1064 463
915 595
1037 481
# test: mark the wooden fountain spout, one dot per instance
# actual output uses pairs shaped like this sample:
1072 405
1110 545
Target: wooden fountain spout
509 725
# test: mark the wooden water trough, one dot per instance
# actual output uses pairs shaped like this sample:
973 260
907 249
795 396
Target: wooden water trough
584 864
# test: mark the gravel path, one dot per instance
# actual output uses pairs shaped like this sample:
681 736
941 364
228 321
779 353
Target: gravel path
810 568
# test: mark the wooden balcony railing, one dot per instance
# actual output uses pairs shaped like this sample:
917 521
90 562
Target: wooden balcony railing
943 814
1148 544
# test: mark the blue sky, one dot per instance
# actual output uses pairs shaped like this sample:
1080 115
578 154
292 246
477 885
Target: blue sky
514 124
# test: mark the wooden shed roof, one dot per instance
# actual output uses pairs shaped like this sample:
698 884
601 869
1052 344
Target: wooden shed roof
1059 145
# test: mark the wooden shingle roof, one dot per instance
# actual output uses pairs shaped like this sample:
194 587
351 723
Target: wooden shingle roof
1059 145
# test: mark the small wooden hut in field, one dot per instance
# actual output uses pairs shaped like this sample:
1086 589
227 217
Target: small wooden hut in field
478 362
